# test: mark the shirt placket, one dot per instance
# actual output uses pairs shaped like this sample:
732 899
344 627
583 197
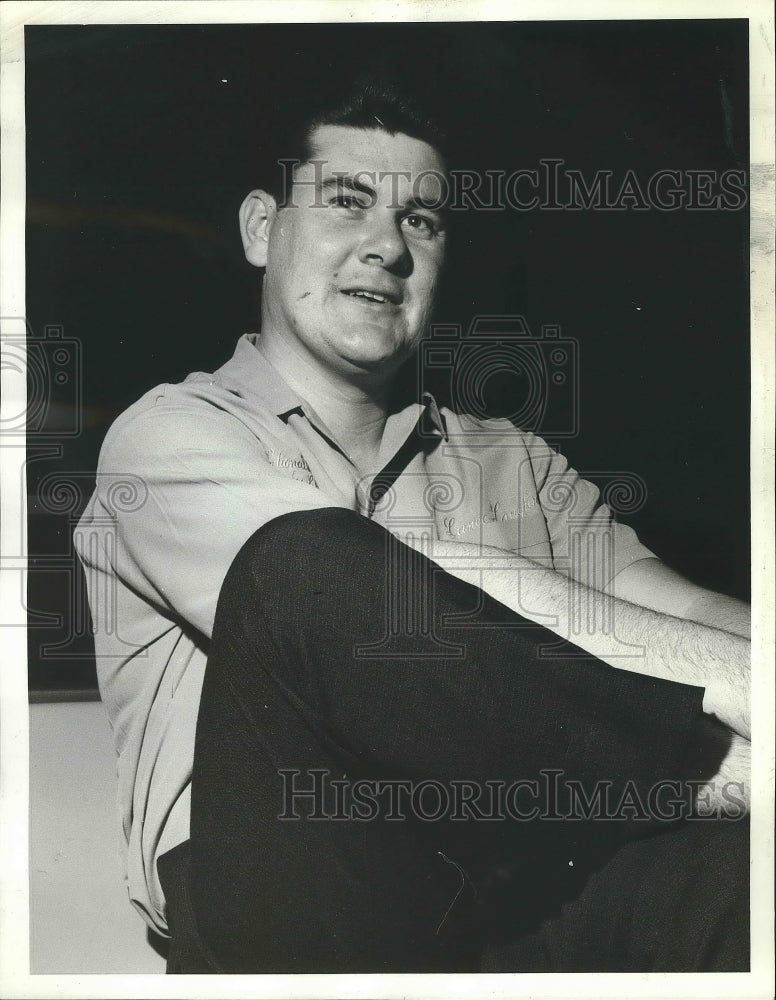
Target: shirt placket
335 473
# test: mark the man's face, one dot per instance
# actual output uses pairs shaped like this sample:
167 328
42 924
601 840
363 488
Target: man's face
353 261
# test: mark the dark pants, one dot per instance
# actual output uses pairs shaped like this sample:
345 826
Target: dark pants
341 656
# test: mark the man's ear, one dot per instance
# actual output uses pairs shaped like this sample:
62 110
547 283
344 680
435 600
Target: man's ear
257 213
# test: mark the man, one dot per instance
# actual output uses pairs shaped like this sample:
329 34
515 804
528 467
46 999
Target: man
293 484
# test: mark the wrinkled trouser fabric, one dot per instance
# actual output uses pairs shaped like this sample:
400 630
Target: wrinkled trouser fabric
339 652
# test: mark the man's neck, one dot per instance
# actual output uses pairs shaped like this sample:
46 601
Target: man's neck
354 410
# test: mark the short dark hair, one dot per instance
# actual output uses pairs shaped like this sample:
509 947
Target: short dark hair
369 104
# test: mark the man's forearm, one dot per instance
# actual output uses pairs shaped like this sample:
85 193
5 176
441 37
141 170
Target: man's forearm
649 583
721 612
619 633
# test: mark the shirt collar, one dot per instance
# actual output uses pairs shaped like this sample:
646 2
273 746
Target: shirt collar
250 374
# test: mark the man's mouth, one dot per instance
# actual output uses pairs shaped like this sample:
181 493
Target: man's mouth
370 295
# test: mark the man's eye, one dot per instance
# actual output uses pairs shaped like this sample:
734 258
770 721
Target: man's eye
420 225
346 201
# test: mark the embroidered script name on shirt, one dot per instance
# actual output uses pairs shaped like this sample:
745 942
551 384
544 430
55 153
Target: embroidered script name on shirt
492 514
300 470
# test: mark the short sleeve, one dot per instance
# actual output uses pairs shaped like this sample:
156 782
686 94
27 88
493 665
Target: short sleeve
588 543
205 486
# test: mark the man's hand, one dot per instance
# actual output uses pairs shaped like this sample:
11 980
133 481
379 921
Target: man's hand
718 763
619 633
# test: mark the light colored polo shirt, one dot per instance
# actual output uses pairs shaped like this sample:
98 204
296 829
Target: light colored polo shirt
190 471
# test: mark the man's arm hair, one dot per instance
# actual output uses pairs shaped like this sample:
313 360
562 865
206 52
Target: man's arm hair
651 584
621 634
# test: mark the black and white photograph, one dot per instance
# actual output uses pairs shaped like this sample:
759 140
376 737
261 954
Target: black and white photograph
387 543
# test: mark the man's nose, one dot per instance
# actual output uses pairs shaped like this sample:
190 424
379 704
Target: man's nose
384 244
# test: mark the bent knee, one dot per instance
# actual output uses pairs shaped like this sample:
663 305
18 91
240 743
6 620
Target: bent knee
301 545
309 533
305 528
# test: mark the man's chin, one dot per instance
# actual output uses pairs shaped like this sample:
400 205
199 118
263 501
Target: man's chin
374 356
373 364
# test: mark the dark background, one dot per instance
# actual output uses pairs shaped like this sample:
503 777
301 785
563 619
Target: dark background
139 155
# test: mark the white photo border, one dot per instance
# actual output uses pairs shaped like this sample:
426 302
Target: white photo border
15 979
